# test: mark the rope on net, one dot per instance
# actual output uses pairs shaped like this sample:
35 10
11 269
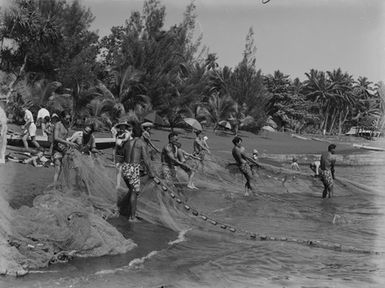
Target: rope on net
193 212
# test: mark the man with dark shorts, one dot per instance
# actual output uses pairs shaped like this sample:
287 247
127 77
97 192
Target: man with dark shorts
242 160
182 157
134 153
169 158
326 169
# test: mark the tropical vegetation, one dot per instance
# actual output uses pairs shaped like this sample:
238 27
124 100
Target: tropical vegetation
50 57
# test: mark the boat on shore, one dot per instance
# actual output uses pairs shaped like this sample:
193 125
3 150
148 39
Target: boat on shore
15 140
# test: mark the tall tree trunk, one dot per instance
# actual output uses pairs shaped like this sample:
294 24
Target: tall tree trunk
334 117
3 115
342 120
3 134
325 123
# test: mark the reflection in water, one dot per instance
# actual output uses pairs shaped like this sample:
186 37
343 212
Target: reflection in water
205 259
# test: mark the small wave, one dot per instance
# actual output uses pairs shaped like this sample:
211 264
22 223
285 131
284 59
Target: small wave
180 238
103 272
138 261
42 271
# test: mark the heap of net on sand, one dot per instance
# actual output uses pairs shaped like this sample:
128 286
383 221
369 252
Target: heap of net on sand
64 222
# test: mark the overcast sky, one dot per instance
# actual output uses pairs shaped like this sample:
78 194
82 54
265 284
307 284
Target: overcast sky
290 35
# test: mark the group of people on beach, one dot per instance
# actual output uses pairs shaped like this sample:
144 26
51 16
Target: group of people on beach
324 168
134 151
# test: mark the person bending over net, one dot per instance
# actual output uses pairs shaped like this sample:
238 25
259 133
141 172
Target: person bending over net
243 162
134 153
182 157
294 164
314 166
327 164
85 140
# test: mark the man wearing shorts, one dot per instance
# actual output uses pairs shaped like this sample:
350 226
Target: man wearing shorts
242 161
121 136
134 152
182 157
169 159
29 129
327 170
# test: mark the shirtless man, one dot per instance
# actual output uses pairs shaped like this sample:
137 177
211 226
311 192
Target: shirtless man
152 149
134 152
182 157
169 159
200 146
242 161
327 163
121 135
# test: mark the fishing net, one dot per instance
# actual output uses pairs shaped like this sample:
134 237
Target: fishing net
70 220
286 205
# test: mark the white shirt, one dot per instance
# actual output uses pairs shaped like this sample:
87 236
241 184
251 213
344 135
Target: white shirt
42 113
28 117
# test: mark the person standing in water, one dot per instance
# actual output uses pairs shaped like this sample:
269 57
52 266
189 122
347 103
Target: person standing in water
169 159
182 157
242 161
314 166
327 163
134 153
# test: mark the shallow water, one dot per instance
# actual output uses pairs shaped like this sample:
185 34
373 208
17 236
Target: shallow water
202 258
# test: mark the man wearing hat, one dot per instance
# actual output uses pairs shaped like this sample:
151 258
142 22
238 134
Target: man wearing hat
151 148
121 134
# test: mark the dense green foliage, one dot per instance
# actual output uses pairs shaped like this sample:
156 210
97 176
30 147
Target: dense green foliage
141 66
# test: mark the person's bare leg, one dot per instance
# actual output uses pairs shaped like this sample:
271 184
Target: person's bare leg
133 201
35 143
25 142
118 177
57 172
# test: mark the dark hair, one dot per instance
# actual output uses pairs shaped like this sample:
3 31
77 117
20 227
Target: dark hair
332 146
172 134
197 132
136 128
92 127
236 140
62 114
47 118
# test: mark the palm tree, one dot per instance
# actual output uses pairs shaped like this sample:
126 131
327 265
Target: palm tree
318 89
218 107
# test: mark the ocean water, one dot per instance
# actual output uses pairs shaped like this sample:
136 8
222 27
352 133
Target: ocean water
198 256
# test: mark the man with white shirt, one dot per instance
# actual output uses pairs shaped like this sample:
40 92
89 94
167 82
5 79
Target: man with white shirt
29 129
41 114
